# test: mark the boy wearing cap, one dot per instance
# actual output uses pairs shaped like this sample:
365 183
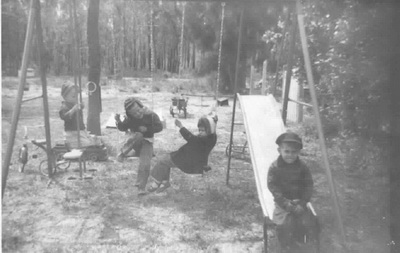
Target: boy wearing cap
68 112
142 124
291 184
191 158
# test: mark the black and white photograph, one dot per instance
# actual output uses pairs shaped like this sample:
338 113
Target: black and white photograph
215 126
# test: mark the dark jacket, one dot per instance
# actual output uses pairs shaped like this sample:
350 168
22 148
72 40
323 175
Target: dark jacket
290 181
70 121
150 120
193 156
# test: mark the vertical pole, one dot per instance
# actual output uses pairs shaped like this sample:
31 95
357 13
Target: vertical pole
321 137
152 65
220 49
39 33
234 92
264 78
251 82
289 67
265 230
75 68
181 47
94 71
17 105
77 51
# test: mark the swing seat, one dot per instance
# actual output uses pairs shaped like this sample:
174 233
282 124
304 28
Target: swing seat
74 154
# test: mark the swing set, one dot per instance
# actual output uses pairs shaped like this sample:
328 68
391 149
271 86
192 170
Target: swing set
34 17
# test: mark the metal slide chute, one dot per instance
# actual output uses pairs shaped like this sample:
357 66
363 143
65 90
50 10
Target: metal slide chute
263 124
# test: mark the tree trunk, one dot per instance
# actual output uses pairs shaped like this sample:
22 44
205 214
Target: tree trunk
94 108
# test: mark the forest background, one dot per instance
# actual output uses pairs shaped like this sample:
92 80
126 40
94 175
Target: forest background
353 47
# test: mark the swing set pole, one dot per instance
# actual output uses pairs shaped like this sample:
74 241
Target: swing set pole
75 63
18 102
41 53
221 34
234 92
321 137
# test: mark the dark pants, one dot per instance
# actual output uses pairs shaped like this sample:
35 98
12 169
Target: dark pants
144 149
295 227
162 169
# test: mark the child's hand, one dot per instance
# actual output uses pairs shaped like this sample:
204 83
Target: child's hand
117 117
296 201
142 129
178 123
298 209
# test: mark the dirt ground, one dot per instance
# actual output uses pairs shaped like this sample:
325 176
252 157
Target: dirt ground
197 214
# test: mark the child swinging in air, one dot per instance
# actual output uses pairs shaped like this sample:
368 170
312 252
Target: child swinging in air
191 158
291 184
69 112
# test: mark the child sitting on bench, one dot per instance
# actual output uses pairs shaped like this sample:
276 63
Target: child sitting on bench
291 184
191 158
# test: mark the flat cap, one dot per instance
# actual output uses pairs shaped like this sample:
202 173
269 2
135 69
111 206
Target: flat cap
289 137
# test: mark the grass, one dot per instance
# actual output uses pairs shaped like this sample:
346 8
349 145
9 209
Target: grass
197 213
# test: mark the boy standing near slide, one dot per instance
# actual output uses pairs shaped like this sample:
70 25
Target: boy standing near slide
291 184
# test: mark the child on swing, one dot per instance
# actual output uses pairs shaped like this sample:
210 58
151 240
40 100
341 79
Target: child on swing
291 184
141 124
70 109
191 158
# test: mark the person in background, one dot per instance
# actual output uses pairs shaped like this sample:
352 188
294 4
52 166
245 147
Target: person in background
291 184
191 158
141 124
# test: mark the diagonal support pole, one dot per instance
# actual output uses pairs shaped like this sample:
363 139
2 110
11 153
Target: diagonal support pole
18 102
321 137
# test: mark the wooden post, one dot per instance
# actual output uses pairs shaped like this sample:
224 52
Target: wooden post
251 81
264 78
289 67
300 106
17 105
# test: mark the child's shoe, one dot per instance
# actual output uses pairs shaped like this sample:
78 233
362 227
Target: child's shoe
142 192
120 157
163 186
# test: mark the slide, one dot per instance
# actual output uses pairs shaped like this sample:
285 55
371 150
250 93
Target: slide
263 124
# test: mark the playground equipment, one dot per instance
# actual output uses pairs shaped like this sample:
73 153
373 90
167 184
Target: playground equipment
178 106
263 124
264 195
62 162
